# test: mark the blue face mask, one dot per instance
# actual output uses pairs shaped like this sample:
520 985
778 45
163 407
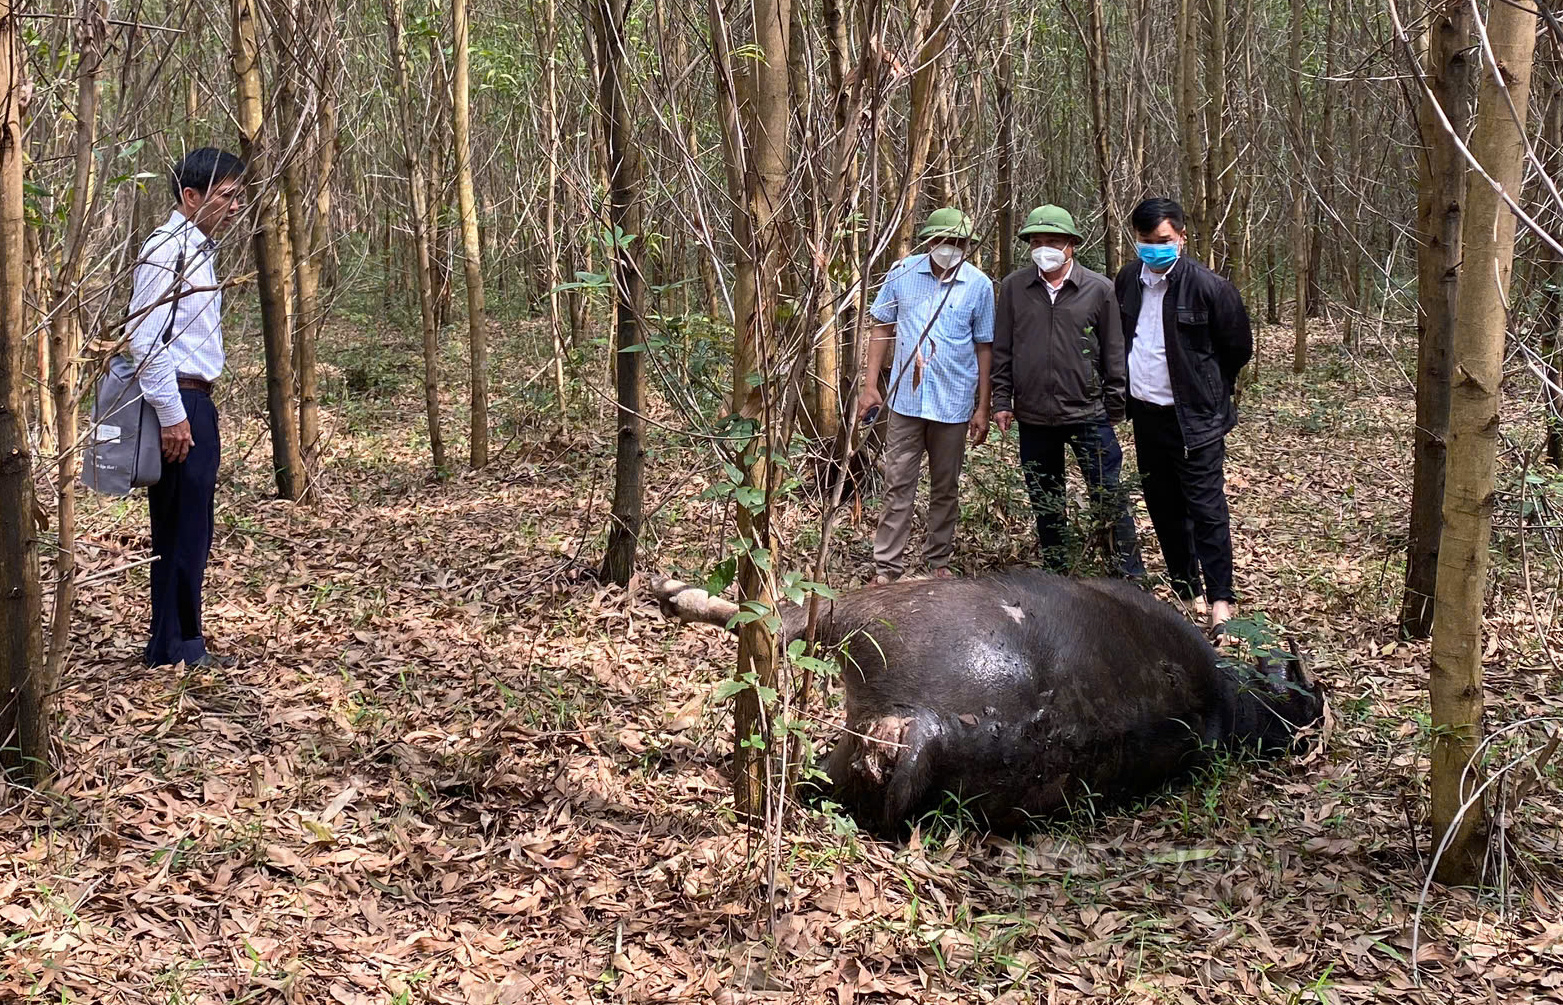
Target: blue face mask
1157 256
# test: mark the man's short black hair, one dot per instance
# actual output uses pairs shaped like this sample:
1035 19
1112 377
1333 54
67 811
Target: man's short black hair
203 170
1147 216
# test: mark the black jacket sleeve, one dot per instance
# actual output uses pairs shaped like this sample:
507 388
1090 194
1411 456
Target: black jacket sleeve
1231 335
1003 377
1115 358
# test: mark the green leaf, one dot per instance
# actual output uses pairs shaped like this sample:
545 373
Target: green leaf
728 688
750 498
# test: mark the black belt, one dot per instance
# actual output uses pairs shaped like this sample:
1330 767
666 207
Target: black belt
195 384
1148 407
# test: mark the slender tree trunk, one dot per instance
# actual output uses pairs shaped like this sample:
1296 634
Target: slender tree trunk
1481 323
1218 168
477 320
1095 38
765 161
920 136
1440 213
1004 99
624 215
290 49
24 716
1550 317
258 150
318 252
1299 200
1188 105
65 328
420 235
550 203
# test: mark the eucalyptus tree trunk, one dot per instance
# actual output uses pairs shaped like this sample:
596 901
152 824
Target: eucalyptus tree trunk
290 47
258 151
924 91
764 153
624 217
550 203
1299 198
65 326
472 251
1004 99
1218 167
318 249
1188 107
24 718
1550 318
1440 224
1094 35
421 238
1481 323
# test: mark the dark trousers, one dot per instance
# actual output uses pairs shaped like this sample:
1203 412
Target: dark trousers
181 505
1096 450
1185 492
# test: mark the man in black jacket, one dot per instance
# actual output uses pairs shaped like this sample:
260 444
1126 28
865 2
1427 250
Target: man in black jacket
1058 367
1188 335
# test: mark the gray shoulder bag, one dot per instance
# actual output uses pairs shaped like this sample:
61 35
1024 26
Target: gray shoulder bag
124 450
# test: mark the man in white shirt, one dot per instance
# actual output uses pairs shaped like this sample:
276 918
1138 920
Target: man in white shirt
175 335
1188 336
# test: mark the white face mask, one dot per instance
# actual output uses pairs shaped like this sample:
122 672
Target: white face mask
947 256
1049 259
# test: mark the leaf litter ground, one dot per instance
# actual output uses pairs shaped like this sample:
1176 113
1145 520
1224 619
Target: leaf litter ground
451 767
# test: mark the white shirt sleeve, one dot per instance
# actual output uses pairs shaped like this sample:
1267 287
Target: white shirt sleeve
154 282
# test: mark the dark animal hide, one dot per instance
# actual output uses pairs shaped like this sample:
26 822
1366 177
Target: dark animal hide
1024 693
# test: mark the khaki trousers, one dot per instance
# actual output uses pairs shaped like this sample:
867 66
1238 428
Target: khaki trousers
906 441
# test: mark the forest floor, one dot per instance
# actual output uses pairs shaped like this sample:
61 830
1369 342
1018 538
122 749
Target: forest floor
451 767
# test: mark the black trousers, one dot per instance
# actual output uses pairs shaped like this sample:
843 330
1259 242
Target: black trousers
1096 450
181 505
1185 492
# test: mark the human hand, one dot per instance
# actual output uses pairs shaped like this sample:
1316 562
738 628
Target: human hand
176 442
978 428
1003 419
869 399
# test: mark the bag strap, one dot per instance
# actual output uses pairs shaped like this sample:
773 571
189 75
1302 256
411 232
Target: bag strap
179 281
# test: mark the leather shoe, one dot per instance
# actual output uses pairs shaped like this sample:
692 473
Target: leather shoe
212 661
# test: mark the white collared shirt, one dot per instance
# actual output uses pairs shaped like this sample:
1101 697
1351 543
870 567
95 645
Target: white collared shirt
1052 291
1149 380
195 348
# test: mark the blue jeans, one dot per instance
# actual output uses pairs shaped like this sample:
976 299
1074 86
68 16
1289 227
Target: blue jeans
1096 451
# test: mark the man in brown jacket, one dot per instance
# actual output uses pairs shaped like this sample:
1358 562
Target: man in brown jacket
1059 368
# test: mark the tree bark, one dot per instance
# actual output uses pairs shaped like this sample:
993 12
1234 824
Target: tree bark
1440 212
1004 98
24 718
258 152
1481 324
1094 35
65 328
624 217
472 251
290 48
550 221
421 237
920 136
1188 106
764 157
1299 200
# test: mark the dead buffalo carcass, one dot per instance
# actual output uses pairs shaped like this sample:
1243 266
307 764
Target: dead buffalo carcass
1025 693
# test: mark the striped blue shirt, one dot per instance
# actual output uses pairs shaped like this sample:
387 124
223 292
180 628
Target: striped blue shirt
937 328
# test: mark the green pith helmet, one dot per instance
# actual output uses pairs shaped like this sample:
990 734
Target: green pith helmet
1050 219
947 222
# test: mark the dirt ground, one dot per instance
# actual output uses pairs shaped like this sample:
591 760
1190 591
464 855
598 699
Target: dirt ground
451 767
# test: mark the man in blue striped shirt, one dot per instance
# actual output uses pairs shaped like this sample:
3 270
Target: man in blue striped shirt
936 309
